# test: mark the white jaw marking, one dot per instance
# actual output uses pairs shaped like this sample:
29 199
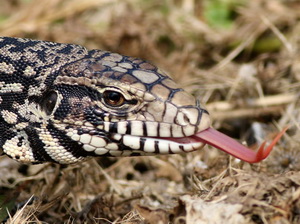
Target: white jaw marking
158 146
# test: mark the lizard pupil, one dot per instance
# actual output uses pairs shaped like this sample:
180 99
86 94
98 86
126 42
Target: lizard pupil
113 98
48 102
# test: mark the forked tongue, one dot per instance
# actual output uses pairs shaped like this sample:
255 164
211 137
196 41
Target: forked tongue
229 145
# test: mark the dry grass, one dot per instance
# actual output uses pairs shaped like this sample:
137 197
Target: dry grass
243 64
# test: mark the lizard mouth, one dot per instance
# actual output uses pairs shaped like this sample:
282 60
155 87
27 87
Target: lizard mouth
218 140
170 145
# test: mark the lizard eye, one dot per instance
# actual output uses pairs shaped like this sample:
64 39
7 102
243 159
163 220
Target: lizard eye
113 98
48 102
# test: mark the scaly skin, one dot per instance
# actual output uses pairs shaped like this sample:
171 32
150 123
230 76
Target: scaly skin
63 103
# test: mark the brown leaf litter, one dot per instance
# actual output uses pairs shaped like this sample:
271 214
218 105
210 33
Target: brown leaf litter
247 73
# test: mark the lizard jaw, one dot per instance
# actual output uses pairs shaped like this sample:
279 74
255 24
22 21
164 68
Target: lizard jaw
210 136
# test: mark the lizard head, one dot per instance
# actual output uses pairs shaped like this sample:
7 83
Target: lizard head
113 105
62 103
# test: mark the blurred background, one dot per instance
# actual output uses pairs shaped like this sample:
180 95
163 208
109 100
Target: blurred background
239 57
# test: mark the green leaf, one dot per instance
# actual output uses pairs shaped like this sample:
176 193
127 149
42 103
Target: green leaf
218 13
5 206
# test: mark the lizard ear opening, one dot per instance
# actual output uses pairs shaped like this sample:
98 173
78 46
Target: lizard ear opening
48 102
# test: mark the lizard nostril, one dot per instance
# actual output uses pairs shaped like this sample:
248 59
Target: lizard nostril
188 116
192 120
181 119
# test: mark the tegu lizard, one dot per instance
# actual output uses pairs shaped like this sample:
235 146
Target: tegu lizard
63 103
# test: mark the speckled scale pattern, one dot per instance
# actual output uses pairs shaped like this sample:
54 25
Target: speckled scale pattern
54 107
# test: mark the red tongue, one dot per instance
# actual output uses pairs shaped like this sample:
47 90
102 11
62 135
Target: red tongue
229 145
